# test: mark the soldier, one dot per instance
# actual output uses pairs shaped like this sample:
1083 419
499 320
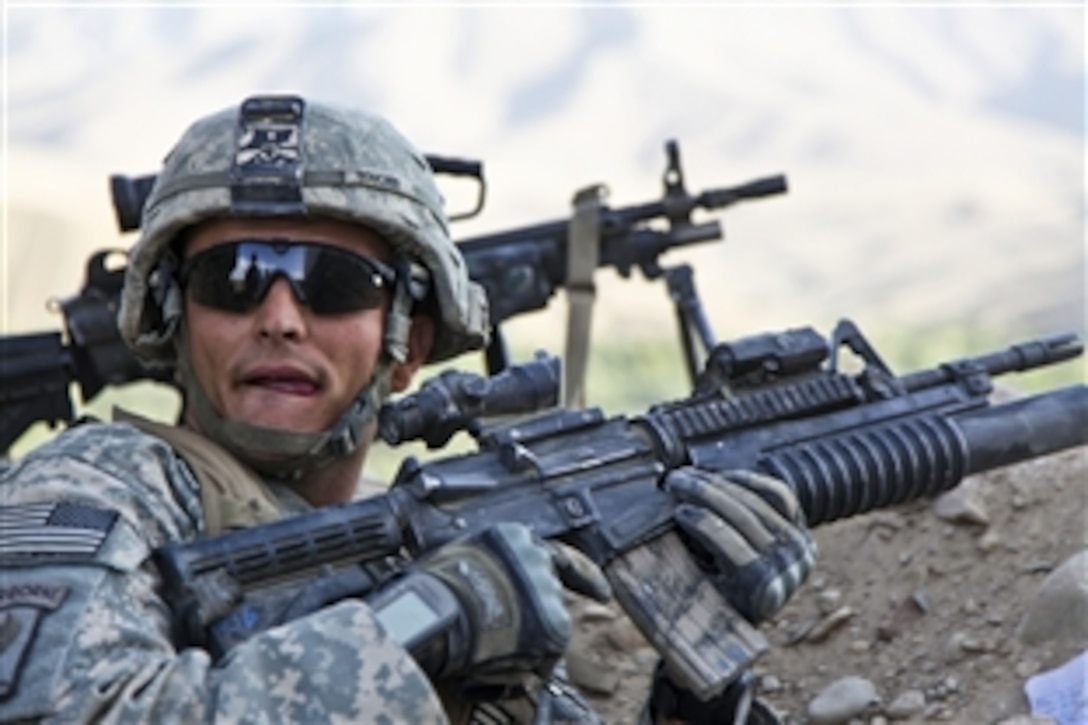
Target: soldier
295 268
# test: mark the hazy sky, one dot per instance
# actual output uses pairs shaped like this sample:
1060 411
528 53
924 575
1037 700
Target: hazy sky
929 145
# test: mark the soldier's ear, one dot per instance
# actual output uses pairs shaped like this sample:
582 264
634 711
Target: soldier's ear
420 340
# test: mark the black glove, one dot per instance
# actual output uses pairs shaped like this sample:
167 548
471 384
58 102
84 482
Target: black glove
747 531
489 604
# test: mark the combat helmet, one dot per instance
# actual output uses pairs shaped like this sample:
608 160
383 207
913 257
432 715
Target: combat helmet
281 155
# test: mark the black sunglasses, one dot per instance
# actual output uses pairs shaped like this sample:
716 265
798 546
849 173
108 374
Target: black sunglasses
235 277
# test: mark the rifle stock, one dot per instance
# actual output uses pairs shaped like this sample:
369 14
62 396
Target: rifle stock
846 444
34 383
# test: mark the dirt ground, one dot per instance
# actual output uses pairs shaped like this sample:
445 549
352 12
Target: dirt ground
924 601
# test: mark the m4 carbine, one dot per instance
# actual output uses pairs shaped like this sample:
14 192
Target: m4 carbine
777 403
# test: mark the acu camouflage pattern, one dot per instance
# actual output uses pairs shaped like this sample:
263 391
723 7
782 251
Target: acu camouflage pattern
106 654
356 167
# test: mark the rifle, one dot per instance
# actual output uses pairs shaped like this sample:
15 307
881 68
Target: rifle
39 368
778 403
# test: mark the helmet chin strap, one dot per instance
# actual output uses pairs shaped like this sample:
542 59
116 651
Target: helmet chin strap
277 453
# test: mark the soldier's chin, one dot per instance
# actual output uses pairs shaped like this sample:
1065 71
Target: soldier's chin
287 424
265 453
264 456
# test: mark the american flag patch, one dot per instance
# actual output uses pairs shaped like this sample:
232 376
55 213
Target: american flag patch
53 529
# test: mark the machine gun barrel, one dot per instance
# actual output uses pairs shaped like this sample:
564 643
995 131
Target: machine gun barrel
521 268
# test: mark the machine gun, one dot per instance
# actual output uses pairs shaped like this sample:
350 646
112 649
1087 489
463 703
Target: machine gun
520 270
778 403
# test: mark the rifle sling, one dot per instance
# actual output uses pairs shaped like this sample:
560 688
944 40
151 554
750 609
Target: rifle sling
583 256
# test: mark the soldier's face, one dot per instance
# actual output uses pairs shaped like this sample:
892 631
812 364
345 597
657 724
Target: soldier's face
279 362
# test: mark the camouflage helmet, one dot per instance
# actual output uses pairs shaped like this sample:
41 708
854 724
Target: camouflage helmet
281 155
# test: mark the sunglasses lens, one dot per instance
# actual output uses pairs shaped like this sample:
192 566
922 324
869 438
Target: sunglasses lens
236 277
210 281
339 282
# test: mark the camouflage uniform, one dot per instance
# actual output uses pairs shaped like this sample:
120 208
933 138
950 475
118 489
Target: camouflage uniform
85 635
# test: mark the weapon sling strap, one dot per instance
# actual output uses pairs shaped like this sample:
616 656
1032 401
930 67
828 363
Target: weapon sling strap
232 496
583 255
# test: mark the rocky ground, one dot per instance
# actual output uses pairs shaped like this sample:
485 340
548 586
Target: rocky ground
932 611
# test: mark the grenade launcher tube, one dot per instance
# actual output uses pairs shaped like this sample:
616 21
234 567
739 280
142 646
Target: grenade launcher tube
921 456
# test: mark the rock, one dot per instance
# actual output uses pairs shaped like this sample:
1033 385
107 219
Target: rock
624 636
961 644
958 641
892 520
828 600
989 541
909 610
591 675
770 683
842 700
829 624
1026 668
801 631
962 505
907 705
1058 613
860 646
596 612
